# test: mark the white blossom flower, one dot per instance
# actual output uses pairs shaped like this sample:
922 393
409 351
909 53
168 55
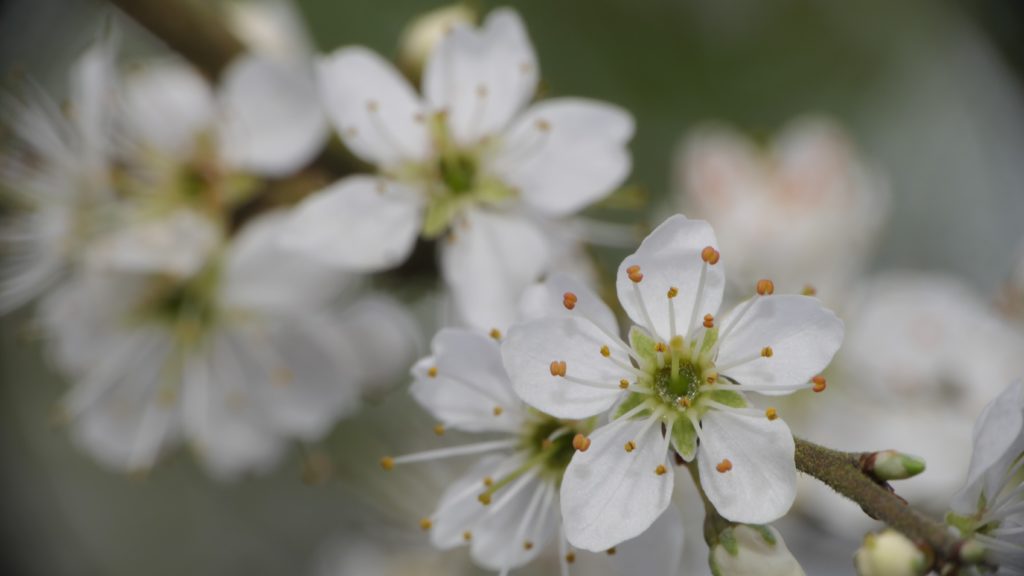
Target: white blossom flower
55 169
505 508
677 387
807 211
753 551
470 160
990 506
236 359
191 154
923 355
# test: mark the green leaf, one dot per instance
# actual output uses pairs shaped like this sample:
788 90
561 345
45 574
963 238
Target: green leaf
684 438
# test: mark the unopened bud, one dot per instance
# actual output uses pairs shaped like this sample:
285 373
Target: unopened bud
889 553
893 465
425 32
744 550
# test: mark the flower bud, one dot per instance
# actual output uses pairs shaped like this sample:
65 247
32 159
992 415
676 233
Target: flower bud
423 34
746 549
893 465
889 553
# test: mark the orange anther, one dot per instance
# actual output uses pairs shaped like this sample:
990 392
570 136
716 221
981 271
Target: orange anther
723 466
495 333
439 429
767 352
558 368
710 255
809 290
605 351
467 535
569 300
765 287
709 321
432 372
819 383
630 446
580 442
771 413
425 524
660 470
498 410
673 292
634 274
624 384
527 545
570 558
387 462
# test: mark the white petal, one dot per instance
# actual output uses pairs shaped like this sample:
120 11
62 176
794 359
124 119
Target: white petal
761 485
271 121
470 383
499 539
93 81
566 153
802 334
656 552
546 299
459 510
998 441
261 273
360 223
482 78
531 347
610 495
670 257
489 262
373 108
167 105
385 339
178 244
228 425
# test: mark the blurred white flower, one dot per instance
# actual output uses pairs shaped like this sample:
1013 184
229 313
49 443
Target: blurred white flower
54 169
422 35
680 379
271 28
922 357
236 359
505 508
990 506
468 161
806 211
745 550
889 553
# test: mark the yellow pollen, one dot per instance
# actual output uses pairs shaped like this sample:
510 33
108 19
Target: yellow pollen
624 384
543 125
771 413
605 351
724 466
570 558
580 442
765 287
673 292
630 446
660 470
558 368
527 545
495 333
767 352
467 535
634 274
809 290
569 300
432 372
611 551
387 462
709 321
498 410
425 524
710 255
819 383
439 429
488 481
484 499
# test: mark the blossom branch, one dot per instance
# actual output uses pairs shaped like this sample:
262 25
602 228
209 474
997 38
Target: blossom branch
845 473
189 28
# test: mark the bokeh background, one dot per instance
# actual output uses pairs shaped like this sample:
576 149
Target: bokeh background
930 92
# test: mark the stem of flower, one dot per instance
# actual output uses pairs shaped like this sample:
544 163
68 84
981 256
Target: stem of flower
844 473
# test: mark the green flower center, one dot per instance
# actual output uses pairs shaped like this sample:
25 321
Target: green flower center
189 306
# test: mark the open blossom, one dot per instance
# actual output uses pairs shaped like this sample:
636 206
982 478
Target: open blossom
55 169
235 359
990 506
677 387
191 153
805 211
471 160
505 508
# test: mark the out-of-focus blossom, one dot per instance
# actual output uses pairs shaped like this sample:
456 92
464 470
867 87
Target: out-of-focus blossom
745 550
505 508
55 171
806 211
990 506
470 163
688 382
270 28
422 35
922 357
889 553
235 359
